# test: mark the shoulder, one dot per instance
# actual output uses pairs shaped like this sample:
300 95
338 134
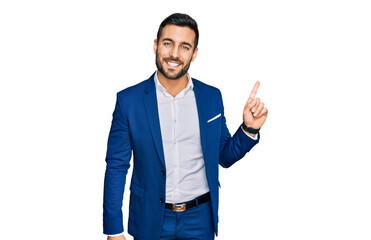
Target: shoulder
133 90
131 97
137 90
208 89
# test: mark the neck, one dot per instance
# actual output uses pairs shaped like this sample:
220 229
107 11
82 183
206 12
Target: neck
173 86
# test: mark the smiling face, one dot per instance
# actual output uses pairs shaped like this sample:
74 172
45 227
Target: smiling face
175 51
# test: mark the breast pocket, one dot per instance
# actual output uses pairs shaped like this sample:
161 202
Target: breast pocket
214 120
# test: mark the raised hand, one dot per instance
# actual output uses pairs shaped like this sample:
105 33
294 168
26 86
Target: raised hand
254 113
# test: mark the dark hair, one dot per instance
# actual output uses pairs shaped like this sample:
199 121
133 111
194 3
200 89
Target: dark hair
182 20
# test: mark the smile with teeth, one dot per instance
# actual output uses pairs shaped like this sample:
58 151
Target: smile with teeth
173 64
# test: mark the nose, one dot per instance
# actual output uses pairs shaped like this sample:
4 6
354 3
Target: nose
174 52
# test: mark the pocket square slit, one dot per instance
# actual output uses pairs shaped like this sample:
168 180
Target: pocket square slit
212 119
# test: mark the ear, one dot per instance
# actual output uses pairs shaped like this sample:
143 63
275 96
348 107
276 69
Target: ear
194 55
155 46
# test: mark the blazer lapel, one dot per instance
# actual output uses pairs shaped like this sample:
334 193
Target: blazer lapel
201 109
150 103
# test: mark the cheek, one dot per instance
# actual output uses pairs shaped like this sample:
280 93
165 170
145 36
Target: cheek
162 52
187 58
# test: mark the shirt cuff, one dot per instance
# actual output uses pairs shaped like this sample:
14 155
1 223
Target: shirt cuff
115 235
253 138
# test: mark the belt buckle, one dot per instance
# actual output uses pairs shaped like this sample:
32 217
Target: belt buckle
179 207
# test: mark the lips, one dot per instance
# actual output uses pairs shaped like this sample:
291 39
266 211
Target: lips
172 63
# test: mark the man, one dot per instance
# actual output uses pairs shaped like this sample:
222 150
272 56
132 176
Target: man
175 127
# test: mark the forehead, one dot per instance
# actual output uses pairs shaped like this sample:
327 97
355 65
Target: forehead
178 33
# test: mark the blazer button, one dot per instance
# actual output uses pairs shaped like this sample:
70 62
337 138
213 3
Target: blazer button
161 200
162 172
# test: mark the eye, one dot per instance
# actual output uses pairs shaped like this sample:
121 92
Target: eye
167 43
185 47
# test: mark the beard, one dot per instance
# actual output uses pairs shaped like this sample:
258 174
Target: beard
168 74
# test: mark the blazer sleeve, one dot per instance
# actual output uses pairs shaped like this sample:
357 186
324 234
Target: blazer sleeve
117 164
233 148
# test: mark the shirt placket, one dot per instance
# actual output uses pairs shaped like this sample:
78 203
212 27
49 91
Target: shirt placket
175 149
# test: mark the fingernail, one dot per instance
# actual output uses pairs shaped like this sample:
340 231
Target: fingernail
255 114
253 110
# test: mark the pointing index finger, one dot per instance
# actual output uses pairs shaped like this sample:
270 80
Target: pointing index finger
254 90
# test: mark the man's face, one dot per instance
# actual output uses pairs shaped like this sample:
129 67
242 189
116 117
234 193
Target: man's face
175 51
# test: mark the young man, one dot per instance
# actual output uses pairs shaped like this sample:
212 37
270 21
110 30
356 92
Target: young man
175 127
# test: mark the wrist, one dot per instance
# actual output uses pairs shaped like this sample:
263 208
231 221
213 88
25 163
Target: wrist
249 130
250 134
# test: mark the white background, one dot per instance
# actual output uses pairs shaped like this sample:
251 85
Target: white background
62 62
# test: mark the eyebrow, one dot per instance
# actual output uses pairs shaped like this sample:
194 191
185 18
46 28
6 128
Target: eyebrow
171 40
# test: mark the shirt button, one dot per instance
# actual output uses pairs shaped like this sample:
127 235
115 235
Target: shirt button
161 200
162 172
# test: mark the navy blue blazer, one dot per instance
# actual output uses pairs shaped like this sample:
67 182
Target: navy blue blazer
136 129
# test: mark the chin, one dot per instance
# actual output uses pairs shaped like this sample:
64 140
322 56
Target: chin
172 74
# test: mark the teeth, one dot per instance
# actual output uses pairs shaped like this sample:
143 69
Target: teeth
173 64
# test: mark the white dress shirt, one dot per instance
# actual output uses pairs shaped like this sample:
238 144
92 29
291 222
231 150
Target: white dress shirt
180 132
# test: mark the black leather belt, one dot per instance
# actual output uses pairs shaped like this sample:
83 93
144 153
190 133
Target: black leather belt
181 207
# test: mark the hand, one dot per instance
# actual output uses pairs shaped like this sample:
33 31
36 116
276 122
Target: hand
121 237
254 113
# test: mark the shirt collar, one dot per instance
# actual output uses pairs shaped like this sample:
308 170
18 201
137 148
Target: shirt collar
162 88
